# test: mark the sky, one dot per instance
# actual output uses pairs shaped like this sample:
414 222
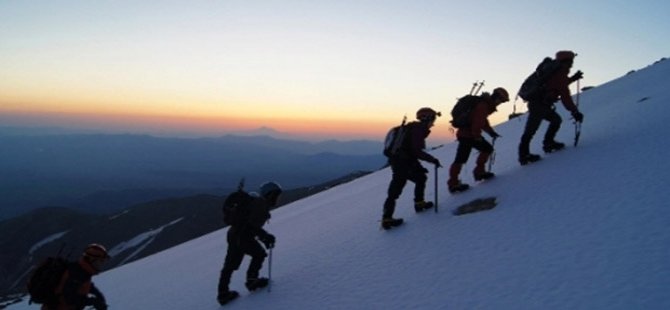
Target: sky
315 69
584 228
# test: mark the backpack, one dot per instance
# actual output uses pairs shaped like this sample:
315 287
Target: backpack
45 279
235 206
462 110
395 139
533 86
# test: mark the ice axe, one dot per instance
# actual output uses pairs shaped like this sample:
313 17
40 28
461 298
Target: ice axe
436 202
578 125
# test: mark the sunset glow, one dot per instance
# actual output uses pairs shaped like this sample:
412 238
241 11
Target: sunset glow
312 69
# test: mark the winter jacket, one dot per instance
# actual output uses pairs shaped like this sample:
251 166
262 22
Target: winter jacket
478 119
558 86
414 148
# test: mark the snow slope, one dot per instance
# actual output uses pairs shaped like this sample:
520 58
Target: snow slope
585 228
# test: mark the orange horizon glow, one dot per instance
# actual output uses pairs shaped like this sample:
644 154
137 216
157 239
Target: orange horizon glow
208 125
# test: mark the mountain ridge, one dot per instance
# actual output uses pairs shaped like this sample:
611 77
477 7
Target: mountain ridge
71 170
137 231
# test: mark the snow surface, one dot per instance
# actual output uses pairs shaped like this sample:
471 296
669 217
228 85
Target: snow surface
139 242
585 228
46 240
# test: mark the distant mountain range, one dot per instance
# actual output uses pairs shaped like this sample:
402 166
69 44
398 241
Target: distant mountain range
102 173
141 194
129 234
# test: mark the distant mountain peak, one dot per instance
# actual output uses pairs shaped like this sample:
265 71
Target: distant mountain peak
260 131
267 129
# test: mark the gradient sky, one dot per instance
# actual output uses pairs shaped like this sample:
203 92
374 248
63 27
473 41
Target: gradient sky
338 69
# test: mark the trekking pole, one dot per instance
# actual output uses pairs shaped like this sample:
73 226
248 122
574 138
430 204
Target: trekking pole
436 189
578 91
578 125
492 159
578 132
270 270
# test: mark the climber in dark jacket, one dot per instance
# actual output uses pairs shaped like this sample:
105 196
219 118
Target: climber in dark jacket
543 108
242 240
405 166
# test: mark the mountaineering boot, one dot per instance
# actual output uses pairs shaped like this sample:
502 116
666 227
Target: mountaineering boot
389 222
480 172
454 184
529 158
420 206
225 297
457 186
550 146
256 283
484 176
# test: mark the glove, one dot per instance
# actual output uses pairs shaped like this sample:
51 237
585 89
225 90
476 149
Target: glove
578 116
577 76
268 240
